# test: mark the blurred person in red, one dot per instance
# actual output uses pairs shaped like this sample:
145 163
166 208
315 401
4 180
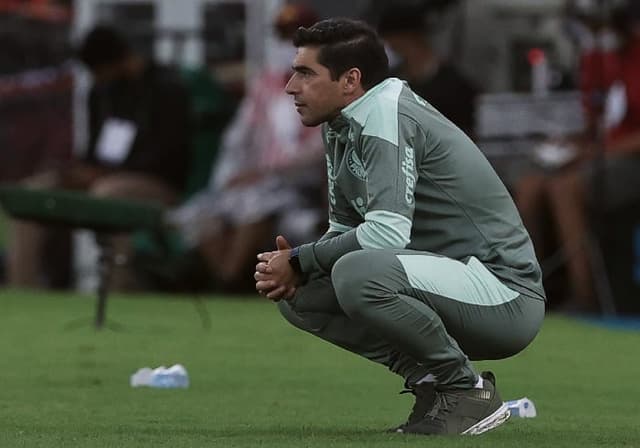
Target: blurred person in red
404 30
139 147
269 171
600 177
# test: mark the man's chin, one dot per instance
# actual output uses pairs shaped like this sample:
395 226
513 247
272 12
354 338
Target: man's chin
309 122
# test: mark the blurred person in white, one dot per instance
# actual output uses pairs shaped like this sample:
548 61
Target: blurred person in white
606 176
269 172
139 148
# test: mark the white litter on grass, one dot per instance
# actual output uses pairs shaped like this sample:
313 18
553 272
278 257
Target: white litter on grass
161 377
522 407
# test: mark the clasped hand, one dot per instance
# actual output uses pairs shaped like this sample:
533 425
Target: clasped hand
275 278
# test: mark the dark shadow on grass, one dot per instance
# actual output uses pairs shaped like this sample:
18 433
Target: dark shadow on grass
85 322
307 433
275 432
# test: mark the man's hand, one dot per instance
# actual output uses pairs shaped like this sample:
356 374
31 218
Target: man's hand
274 276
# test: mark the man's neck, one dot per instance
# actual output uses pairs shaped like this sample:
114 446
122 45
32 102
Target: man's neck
355 96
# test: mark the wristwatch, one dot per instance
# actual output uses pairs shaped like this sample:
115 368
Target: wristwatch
294 260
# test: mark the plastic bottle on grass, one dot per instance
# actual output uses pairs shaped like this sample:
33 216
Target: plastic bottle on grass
522 408
173 377
161 377
141 378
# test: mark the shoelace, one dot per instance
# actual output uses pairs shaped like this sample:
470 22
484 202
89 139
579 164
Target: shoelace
443 405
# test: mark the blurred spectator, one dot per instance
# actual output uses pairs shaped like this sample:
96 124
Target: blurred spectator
605 174
139 147
436 80
269 166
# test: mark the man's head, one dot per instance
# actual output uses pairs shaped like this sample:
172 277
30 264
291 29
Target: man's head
337 61
108 55
403 28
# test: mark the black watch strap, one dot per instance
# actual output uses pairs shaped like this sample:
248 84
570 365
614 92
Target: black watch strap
294 260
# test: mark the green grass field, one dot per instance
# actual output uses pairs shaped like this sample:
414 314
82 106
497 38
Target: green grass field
256 381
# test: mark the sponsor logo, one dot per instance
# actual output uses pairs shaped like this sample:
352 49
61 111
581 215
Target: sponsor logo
355 165
408 168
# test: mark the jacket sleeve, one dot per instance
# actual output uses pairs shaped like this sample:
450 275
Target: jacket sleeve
391 170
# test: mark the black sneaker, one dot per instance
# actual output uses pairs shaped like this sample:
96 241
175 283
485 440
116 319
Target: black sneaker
463 411
425 396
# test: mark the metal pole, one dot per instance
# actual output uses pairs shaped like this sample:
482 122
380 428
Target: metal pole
105 267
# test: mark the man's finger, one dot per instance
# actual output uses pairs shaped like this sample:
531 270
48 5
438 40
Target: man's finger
259 276
266 256
290 293
277 293
265 285
282 243
263 268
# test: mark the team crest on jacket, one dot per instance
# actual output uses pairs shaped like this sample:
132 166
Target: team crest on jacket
355 165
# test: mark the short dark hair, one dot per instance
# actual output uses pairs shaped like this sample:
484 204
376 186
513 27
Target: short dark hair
346 43
402 19
103 45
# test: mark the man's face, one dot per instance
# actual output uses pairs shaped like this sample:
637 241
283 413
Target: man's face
316 96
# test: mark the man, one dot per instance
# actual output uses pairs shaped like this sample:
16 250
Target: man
426 264
139 146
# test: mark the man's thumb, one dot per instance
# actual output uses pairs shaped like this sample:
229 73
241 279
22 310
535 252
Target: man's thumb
282 243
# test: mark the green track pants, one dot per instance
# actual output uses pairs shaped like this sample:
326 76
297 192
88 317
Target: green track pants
417 313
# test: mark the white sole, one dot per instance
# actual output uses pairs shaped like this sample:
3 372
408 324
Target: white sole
493 421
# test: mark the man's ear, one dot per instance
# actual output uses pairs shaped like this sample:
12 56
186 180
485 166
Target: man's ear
352 81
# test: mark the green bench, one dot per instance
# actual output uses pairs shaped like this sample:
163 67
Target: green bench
76 210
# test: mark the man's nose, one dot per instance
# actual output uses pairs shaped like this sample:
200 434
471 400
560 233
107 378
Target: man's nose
290 88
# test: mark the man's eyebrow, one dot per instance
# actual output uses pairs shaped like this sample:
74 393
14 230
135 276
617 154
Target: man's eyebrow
302 69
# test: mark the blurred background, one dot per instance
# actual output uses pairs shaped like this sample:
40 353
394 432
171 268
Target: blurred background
535 83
